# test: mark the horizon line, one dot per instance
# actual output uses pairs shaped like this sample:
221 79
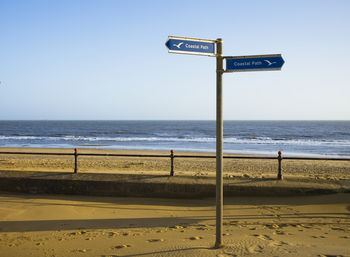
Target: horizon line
173 120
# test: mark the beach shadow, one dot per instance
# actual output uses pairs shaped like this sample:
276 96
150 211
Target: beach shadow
102 205
246 219
248 181
165 252
146 177
125 202
96 201
280 217
36 173
59 174
87 224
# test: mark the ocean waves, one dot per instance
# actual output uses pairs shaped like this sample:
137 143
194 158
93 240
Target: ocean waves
302 138
228 140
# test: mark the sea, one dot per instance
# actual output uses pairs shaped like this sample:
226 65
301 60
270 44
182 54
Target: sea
293 138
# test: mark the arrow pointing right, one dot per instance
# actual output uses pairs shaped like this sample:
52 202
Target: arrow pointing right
254 63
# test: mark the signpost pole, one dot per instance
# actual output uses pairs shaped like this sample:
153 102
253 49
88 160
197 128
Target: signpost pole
219 145
183 45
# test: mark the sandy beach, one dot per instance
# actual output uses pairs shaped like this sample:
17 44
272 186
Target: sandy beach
41 225
51 225
321 170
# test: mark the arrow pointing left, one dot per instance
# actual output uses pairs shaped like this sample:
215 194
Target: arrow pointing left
182 45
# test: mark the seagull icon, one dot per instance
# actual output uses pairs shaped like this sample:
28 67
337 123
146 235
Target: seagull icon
178 45
269 63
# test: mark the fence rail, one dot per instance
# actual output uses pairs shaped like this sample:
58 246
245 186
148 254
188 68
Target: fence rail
172 156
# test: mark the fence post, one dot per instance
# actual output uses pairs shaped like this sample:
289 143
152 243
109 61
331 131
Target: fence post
279 175
75 160
171 162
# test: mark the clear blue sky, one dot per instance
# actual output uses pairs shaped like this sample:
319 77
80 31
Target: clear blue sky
107 59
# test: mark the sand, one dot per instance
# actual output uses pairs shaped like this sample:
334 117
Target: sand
322 170
41 225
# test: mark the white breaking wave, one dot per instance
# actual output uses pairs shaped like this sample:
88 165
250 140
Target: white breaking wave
22 138
230 140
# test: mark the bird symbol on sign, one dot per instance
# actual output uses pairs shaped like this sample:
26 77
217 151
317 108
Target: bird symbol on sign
178 45
269 63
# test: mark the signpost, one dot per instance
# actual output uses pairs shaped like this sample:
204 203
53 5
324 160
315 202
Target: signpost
254 63
183 45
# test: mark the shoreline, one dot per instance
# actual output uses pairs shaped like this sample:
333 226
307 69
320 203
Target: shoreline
104 147
91 149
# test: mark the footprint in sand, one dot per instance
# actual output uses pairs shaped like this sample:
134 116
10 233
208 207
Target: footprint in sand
255 249
80 250
177 227
276 244
336 228
279 232
330 255
122 246
234 222
306 226
273 226
195 238
263 237
111 234
155 240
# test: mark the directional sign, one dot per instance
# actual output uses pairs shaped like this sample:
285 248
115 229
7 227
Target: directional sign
182 45
254 63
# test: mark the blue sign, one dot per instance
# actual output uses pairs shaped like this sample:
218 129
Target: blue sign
191 46
254 63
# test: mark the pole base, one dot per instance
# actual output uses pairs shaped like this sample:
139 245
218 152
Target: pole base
218 245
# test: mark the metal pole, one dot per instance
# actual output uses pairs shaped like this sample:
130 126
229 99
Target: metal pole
219 145
75 160
171 162
279 175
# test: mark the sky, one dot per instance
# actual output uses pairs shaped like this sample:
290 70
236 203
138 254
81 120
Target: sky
107 60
